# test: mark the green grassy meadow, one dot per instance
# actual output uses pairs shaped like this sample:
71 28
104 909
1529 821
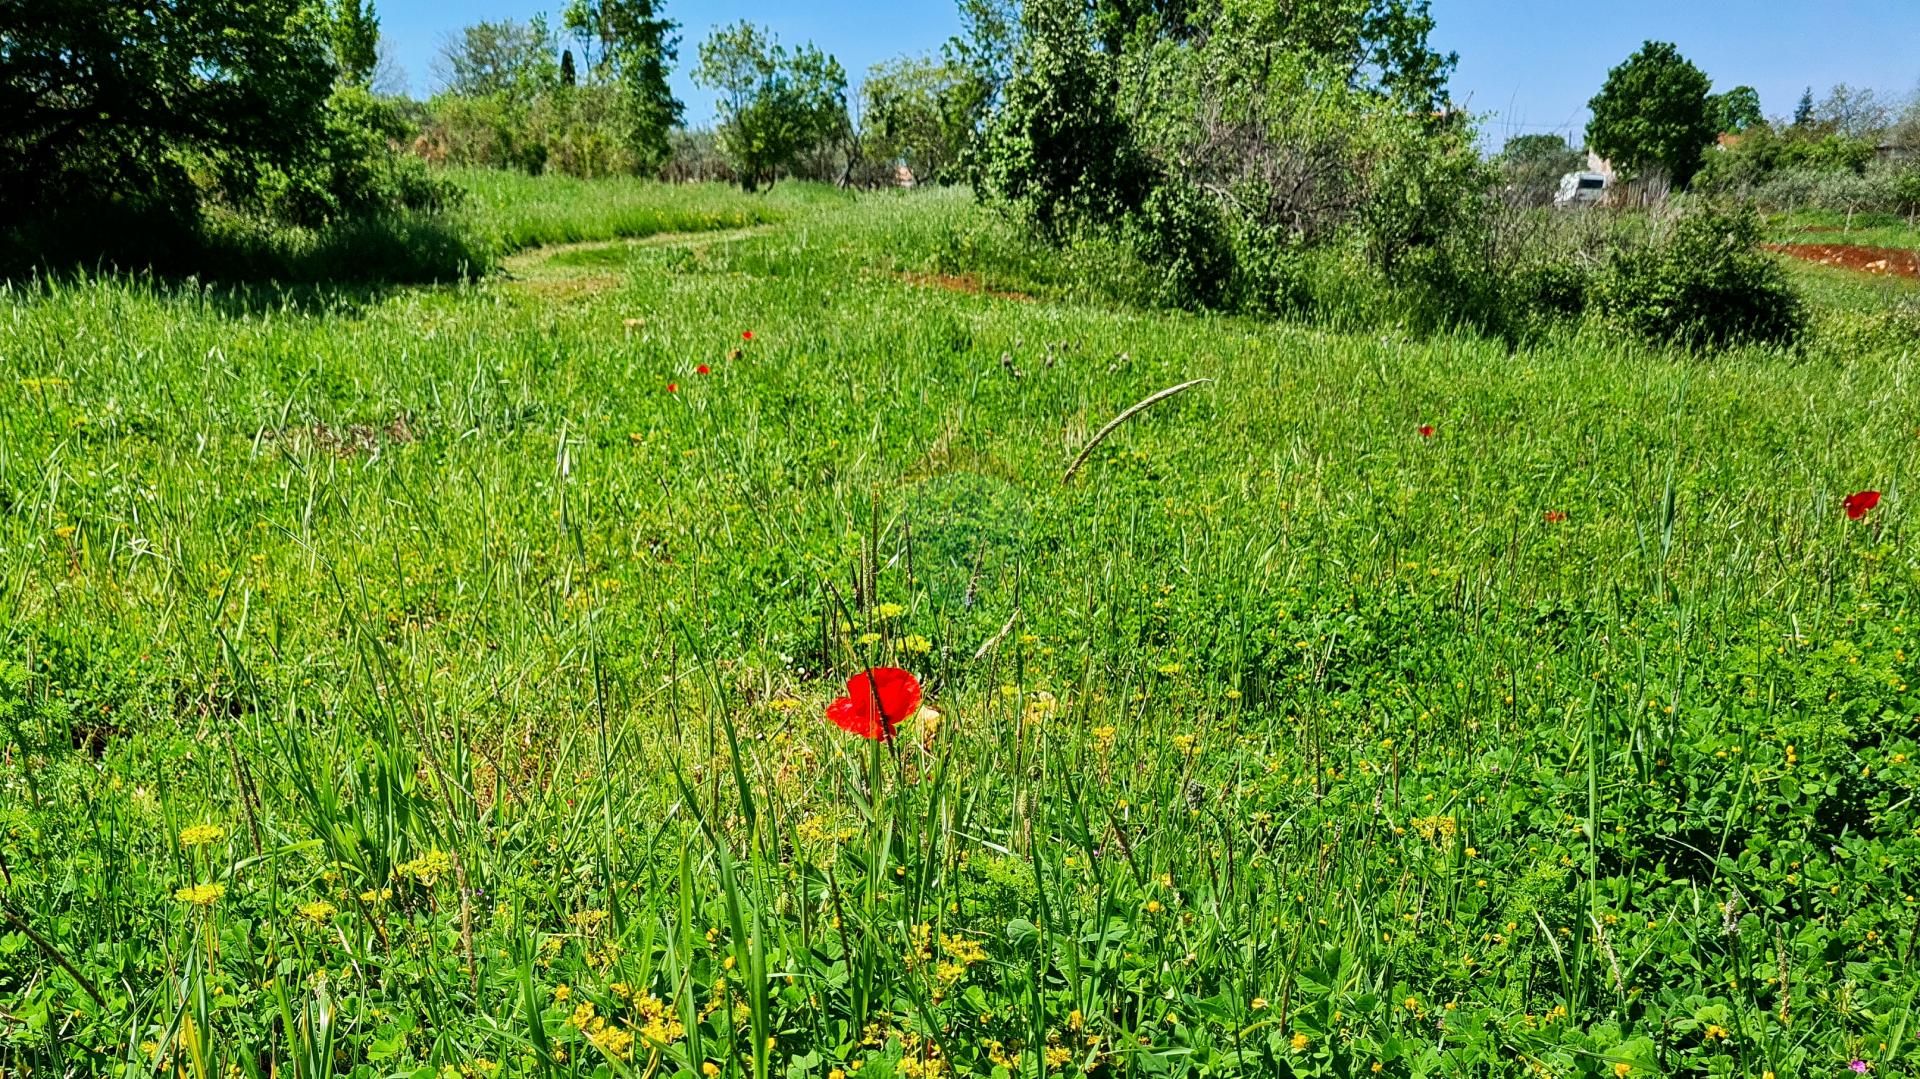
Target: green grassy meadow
431 681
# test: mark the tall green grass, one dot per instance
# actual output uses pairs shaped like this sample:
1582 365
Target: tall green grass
1282 741
514 211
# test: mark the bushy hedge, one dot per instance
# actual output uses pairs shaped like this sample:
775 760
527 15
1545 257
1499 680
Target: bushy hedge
1700 280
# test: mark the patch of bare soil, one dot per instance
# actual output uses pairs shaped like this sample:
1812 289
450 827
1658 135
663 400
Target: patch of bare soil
1857 257
353 440
967 283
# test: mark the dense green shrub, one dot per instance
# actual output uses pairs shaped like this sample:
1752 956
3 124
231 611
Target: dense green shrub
1701 281
353 169
1058 152
1178 232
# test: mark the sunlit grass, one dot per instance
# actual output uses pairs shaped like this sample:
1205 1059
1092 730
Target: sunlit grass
414 683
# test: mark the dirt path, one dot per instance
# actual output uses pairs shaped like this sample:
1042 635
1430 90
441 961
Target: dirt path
1874 260
571 271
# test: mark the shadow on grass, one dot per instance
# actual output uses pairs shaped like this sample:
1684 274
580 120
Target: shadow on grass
246 266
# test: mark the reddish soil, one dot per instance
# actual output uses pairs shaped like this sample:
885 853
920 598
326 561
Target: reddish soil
969 284
1874 260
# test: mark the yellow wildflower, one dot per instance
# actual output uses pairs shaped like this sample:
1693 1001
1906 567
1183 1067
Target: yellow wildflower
1300 1043
201 895
202 835
614 1041
428 868
317 911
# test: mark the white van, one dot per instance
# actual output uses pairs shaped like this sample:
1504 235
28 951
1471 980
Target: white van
1580 189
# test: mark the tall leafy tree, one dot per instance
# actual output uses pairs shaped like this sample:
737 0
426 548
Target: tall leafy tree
356 40
1653 112
105 100
1058 150
918 111
636 46
506 59
1737 109
775 105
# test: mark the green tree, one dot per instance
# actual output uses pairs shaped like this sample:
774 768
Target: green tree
918 111
106 101
774 105
1853 113
356 40
988 39
1058 150
637 47
1653 113
1531 166
506 59
1117 21
1736 110
1803 112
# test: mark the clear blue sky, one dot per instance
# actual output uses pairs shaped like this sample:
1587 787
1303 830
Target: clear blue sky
1525 65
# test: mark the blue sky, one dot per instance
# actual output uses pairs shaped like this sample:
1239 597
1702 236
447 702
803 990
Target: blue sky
1525 65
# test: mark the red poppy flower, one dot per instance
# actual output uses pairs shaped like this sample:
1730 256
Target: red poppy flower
1554 517
877 700
1426 430
703 369
746 335
673 387
1859 502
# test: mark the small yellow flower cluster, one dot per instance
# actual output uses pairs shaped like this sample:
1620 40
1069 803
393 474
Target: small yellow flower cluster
202 835
919 946
1436 829
614 1041
658 1022
916 644
1057 1057
891 610
588 922
1300 1043
317 911
815 829
1103 738
201 895
428 868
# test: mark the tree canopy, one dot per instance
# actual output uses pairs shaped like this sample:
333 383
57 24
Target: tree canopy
108 101
774 104
1653 113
